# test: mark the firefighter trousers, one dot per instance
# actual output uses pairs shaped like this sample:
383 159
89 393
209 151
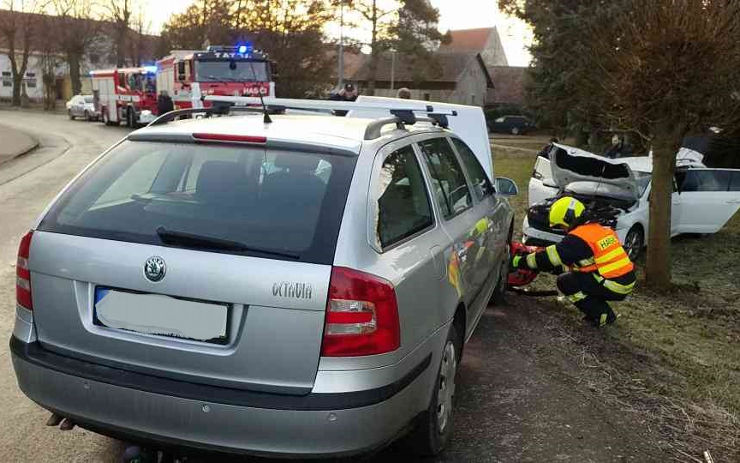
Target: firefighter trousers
589 295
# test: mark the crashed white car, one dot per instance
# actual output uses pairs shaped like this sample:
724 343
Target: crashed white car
703 201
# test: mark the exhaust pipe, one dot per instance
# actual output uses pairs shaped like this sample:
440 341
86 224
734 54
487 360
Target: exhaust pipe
54 420
67 425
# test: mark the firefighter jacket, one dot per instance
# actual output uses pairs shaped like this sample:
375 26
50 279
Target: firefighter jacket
589 248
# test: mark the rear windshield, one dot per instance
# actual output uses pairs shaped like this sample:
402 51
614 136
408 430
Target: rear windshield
89 99
275 204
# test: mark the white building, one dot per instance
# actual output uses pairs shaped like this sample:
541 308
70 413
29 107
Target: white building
33 84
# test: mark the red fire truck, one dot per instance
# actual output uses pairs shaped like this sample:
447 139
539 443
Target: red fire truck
188 75
125 94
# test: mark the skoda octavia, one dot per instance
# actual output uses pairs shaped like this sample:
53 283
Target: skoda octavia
302 288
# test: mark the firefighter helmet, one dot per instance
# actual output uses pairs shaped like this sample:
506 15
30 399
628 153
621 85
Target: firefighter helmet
565 211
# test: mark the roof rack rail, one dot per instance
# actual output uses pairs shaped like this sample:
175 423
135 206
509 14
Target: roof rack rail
215 110
321 105
401 115
374 129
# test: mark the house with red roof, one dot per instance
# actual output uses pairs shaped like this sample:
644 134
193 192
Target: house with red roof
485 41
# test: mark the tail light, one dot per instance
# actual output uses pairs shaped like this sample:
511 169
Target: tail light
361 315
23 274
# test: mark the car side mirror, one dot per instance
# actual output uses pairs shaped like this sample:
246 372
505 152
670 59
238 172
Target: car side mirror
506 186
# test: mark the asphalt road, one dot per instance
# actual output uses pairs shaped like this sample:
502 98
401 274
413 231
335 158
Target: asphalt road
525 392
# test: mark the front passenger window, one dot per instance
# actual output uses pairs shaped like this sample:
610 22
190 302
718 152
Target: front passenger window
481 185
448 179
403 204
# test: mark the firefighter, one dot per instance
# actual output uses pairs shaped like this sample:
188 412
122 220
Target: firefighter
600 269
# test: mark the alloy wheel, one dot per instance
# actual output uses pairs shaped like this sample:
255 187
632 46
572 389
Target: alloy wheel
633 243
446 391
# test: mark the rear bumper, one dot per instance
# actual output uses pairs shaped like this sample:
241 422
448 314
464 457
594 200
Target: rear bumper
141 407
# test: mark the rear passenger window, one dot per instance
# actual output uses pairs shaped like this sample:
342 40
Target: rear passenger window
403 204
706 180
481 185
448 179
735 181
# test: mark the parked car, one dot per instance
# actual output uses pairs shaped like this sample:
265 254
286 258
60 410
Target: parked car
515 125
303 287
82 106
704 200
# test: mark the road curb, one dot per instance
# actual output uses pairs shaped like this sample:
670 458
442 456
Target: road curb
515 148
14 143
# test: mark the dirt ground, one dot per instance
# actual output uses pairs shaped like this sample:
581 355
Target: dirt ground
547 398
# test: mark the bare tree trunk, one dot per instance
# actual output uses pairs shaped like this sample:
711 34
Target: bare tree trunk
73 60
374 52
17 84
658 268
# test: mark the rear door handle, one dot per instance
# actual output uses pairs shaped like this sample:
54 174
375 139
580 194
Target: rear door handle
734 201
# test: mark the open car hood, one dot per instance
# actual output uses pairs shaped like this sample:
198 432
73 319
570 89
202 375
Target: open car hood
571 164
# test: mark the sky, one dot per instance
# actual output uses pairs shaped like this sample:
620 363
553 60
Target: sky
454 14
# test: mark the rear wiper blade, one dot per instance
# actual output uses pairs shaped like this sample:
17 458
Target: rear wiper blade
209 242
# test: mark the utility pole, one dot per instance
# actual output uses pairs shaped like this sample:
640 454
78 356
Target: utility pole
393 68
340 71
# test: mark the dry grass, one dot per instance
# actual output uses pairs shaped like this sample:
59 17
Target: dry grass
673 358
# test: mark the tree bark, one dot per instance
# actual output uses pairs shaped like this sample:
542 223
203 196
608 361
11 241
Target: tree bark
658 268
17 85
73 60
374 52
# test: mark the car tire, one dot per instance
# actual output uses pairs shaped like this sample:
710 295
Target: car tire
499 292
434 427
515 130
634 241
71 117
88 118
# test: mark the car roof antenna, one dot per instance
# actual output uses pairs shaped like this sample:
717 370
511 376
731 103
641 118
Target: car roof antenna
266 114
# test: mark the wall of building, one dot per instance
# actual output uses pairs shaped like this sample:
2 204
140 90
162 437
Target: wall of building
32 81
494 54
472 86
418 94
470 89
65 92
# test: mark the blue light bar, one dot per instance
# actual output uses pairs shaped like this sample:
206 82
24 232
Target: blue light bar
150 69
245 48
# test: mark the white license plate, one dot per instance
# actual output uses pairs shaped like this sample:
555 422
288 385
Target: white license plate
161 315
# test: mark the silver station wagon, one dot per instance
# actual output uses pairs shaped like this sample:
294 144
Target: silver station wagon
296 288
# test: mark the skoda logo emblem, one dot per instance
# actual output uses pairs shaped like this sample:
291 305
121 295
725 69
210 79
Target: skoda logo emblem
154 268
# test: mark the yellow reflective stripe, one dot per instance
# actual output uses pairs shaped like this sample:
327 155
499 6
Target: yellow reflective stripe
577 297
552 254
610 255
585 262
618 288
532 261
615 265
602 319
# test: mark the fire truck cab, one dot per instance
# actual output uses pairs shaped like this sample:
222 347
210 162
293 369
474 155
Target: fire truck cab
125 94
188 75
